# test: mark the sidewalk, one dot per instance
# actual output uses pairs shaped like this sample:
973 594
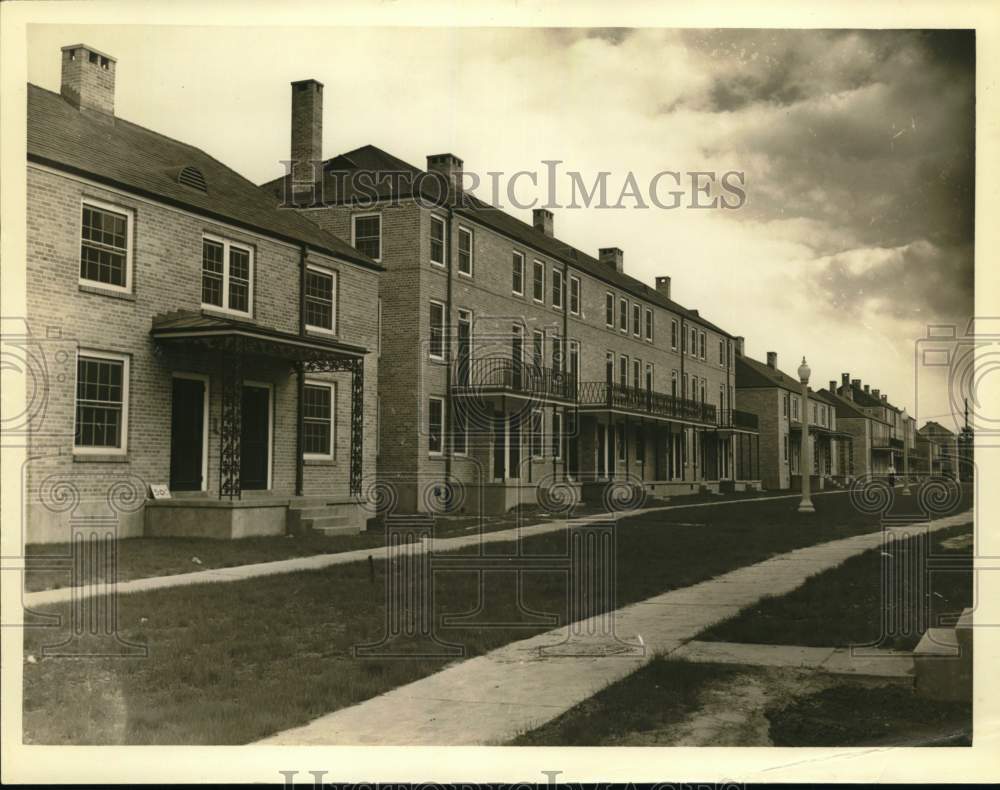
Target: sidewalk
492 698
318 561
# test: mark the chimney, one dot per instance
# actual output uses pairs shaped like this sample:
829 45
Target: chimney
885 398
833 386
612 256
845 379
876 393
448 165
663 286
88 79
772 360
541 218
868 389
307 128
855 384
739 345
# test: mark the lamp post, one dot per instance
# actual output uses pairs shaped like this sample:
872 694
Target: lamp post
805 462
906 453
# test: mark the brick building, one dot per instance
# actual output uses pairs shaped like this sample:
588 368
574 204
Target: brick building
775 398
194 337
511 361
880 447
937 451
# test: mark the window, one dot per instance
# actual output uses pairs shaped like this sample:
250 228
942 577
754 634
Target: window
685 390
636 316
105 246
673 383
321 297
609 366
786 447
684 342
693 345
795 408
649 377
557 288
649 325
623 370
722 352
556 435
609 309
537 346
574 361
465 251
318 399
437 241
722 397
784 406
538 281
517 274
636 373
557 353
574 295
435 425
366 233
226 275
701 347
673 333
536 433
623 315
437 331
101 403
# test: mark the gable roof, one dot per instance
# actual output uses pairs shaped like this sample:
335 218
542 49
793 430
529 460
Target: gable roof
932 429
137 160
844 408
409 181
752 373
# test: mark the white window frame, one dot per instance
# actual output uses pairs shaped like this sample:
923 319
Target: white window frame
557 277
520 257
535 266
702 346
129 236
458 252
332 386
354 228
636 319
430 337
441 435
228 244
430 253
557 436
622 326
611 296
122 449
647 327
674 333
332 330
207 399
574 281
537 434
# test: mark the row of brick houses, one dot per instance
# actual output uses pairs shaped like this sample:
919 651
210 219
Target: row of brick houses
245 360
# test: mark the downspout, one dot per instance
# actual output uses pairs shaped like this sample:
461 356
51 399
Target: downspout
564 356
684 396
299 375
448 438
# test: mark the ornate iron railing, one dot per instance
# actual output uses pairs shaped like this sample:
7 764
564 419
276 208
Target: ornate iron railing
641 401
734 418
498 374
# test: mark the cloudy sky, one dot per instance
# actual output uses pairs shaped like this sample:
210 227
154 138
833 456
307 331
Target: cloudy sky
857 149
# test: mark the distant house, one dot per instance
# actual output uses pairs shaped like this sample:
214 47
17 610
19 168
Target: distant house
937 450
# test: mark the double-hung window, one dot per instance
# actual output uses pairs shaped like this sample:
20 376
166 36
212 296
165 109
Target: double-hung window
465 251
574 295
321 299
517 274
435 425
106 246
226 275
609 309
673 334
702 351
623 315
557 288
366 235
636 373
318 401
436 346
636 317
623 370
101 403
722 352
437 240
649 325
538 281
536 433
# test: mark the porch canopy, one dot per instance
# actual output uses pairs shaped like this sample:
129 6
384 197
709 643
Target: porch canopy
234 341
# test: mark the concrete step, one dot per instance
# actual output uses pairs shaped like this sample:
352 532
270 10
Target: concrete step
325 520
342 529
303 503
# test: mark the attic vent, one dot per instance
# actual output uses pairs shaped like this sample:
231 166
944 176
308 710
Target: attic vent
192 177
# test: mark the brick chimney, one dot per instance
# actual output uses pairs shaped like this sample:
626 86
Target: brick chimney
612 256
542 219
855 384
772 360
307 128
663 286
448 165
833 386
739 345
876 393
88 79
845 379
868 390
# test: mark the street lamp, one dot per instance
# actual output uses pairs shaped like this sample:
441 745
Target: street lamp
805 462
906 453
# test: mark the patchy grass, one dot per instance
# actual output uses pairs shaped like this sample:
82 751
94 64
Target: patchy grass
843 606
853 715
234 662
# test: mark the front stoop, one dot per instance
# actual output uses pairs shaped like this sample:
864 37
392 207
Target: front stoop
324 517
943 662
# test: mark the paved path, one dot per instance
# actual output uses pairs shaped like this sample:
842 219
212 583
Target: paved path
317 561
492 698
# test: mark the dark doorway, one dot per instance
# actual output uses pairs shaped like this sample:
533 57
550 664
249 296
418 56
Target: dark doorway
187 434
255 438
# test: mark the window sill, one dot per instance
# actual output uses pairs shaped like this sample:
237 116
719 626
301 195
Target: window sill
221 312
97 290
322 331
99 458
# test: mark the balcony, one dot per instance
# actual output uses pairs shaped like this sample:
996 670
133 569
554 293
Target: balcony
896 445
493 375
647 402
740 420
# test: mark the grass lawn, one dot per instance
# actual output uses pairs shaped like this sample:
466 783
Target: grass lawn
843 606
230 663
141 558
674 703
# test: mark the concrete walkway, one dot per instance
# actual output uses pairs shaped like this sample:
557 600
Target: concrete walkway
318 561
492 698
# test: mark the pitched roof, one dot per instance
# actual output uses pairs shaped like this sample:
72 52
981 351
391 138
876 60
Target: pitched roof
751 373
934 429
141 161
844 408
409 181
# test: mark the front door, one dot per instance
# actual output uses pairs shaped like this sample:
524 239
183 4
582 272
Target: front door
187 434
255 438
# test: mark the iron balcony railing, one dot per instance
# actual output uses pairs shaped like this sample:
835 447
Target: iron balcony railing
880 442
896 444
642 401
734 418
497 374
